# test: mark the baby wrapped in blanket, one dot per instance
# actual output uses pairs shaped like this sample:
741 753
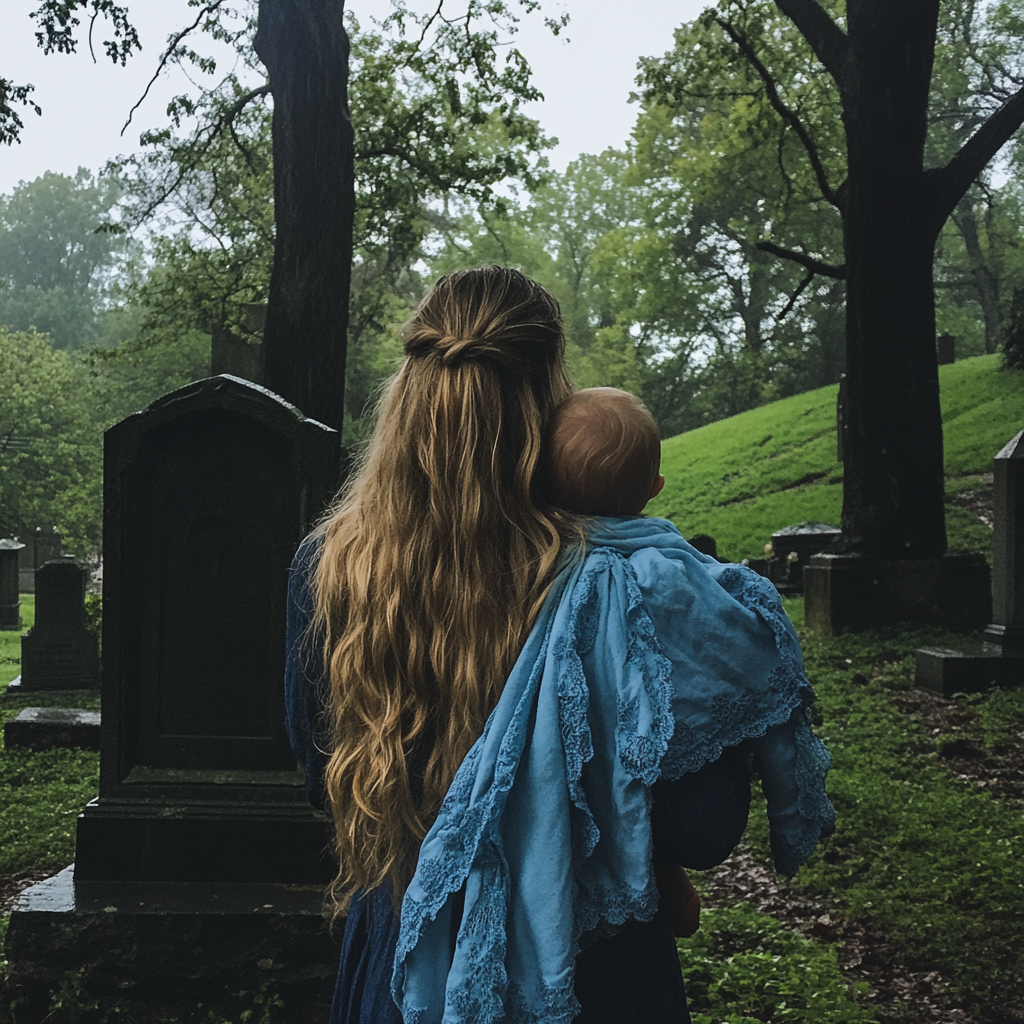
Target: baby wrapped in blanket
647 661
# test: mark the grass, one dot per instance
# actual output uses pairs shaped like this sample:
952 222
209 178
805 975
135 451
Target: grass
742 478
918 853
744 966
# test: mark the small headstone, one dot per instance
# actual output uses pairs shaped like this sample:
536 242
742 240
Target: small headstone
946 349
10 602
704 543
794 546
59 652
44 728
1008 546
233 355
999 658
27 568
40 547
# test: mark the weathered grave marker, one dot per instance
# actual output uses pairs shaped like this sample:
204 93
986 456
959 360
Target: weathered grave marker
802 541
40 547
59 652
999 658
44 728
945 349
10 602
202 817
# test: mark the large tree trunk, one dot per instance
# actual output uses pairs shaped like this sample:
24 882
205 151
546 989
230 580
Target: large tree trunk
893 495
305 49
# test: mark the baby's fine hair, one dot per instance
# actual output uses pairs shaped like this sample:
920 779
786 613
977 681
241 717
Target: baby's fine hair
602 453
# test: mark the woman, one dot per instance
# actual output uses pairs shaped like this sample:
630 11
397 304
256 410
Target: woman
409 606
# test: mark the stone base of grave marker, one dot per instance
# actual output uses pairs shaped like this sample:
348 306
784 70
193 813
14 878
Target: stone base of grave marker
970 668
172 952
850 592
45 728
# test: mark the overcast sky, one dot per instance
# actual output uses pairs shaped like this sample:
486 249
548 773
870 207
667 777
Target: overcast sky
586 80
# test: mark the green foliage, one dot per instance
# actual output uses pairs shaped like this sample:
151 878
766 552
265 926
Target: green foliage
744 966
999 716
928 860
743 478
50 454
52 259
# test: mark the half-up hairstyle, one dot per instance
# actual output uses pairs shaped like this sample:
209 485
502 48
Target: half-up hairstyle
435 562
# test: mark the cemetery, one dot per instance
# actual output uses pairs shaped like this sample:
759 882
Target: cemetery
802 267
925 855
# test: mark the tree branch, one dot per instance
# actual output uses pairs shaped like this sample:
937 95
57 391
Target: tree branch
784 112
828 41
808 262
949 183
172 49
792 299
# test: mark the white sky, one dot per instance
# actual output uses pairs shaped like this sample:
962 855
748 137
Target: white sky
586 81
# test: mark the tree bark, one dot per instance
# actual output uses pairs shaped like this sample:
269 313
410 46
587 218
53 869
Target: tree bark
893 495
305 48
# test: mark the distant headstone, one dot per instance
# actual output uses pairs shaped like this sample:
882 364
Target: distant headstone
945 346
10 602
59 652
27 568
45 728
795 545
999 658
230 354
704 543
207 494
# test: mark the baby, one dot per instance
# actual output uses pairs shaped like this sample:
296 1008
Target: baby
602 455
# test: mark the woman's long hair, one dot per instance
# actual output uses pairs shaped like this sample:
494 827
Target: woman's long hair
435 562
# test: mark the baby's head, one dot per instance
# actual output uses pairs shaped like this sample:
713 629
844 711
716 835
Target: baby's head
602 453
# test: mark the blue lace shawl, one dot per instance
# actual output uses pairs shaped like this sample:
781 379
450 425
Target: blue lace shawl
647 660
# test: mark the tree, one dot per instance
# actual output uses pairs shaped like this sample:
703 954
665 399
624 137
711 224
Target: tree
57 21
52 259
880 55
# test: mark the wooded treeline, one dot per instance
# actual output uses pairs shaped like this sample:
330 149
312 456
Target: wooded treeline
665 254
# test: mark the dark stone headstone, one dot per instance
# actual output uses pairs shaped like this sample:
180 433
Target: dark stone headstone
10 602
43 728
207 494
795 545
999 658
230 354
1007 625
945 346
704 543
851 592
59 652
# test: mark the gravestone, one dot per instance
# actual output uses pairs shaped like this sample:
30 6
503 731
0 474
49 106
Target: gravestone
202 817
945 347
59 652
27 568
795 545
45 728
10 602
998 659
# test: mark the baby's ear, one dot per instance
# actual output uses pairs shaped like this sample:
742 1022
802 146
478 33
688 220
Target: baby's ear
659 482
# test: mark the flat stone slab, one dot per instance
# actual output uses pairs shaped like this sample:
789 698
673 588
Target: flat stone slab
174 945
44 728
971 668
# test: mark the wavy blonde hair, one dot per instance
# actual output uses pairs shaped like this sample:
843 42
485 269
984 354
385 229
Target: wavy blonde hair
435 562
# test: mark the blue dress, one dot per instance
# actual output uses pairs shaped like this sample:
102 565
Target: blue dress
698 814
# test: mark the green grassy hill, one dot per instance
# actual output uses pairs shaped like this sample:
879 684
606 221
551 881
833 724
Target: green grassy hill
743 478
